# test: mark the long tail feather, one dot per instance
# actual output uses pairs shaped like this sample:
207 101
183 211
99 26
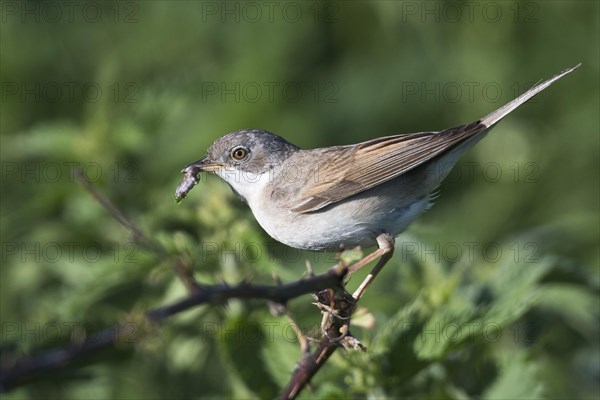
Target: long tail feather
500 113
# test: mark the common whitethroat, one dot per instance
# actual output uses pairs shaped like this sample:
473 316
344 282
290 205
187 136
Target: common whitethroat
342 196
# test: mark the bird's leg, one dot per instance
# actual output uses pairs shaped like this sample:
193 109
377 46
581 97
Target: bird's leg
385 241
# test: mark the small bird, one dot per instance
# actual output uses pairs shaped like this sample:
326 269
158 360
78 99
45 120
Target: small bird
342 196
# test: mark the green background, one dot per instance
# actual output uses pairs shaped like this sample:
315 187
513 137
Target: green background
492 293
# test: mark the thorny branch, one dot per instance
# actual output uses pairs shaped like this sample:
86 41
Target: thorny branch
335 303
337 307
28 368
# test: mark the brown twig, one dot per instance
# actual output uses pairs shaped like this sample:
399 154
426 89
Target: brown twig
337 306
307 367
219 294
28 368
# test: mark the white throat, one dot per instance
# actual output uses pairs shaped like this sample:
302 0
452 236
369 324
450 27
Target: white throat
249 185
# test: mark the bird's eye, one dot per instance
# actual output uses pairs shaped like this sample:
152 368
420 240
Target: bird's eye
239 153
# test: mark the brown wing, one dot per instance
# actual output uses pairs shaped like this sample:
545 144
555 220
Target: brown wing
365 165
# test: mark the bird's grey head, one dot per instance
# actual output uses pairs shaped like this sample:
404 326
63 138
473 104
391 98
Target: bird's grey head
244 159
250 150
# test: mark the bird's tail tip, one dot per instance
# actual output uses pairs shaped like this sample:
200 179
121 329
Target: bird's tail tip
495 116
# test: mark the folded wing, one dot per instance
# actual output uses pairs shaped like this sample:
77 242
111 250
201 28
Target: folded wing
365 165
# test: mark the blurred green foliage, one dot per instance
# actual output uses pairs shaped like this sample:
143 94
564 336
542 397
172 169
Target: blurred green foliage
491 294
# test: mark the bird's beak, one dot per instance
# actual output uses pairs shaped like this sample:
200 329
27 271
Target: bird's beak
202 165
192 173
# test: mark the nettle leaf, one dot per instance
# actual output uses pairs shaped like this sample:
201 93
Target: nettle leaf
392 348
242 342
513 277
404 323
578 306
516 286
445 329
281 350
519 378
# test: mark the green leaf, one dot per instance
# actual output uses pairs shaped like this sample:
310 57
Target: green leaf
519 379
578 305
242 342
281 350
445 329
